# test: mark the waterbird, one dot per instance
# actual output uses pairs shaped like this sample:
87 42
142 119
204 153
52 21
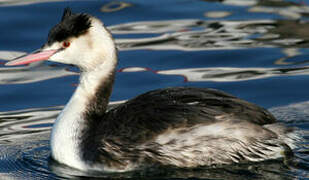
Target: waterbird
184 127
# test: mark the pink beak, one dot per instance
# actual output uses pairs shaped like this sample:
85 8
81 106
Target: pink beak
38 55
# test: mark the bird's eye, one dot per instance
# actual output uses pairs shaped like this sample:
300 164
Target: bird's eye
66 44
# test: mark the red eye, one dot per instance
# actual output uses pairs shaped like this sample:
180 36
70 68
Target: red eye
66 44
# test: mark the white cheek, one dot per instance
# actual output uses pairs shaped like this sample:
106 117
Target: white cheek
59 56
73 54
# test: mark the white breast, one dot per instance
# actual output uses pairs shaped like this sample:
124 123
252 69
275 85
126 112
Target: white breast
65 135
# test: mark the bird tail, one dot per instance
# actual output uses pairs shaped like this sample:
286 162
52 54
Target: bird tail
291 136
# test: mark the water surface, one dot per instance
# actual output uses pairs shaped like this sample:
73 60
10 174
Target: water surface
256 50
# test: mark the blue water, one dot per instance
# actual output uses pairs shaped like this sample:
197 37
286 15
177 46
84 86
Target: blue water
256 50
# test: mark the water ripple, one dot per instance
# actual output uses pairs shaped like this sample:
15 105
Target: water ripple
195 34
24 143
20 124
225 74
22 2
192 35
33 72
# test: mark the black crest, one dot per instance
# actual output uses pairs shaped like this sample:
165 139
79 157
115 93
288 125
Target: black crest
66 13
71 25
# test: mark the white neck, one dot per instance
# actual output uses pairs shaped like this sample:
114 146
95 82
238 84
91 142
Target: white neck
67 130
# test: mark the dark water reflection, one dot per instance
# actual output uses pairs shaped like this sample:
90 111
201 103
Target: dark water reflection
207 35
257 50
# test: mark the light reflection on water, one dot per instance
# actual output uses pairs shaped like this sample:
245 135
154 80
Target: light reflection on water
225 74
278 29
196 35
192 35
21 2
19 124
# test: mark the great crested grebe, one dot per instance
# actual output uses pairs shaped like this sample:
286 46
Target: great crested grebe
183 127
